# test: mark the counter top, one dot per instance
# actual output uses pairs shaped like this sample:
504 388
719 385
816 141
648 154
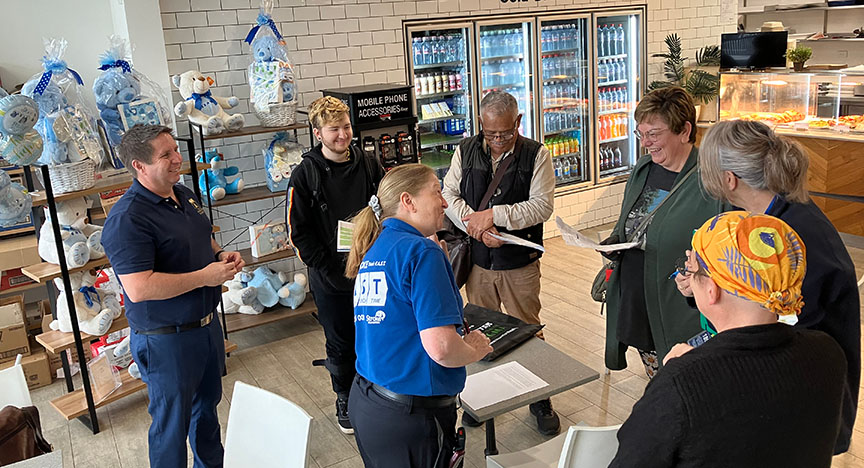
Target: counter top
820 134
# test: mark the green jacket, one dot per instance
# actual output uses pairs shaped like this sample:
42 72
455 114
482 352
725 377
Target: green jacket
667 237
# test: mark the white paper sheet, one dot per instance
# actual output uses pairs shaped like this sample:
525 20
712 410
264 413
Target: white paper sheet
511 239
573 237
344 232
498 384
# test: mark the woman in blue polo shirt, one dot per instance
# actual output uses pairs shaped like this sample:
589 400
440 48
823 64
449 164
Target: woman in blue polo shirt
410 357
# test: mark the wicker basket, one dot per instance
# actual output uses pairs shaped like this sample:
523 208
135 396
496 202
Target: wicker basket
73 176
279 115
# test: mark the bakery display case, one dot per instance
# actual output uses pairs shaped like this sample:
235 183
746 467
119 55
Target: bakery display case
802 102
824 113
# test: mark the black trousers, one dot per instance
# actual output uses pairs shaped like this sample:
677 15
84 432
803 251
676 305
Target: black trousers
336 316
394 435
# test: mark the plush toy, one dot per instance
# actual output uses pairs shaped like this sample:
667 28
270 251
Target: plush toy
15 202
217 175
280 159
50 101
202 108
96 311
274 288
82 242
240 297
19 143
116 86
269 49
123 353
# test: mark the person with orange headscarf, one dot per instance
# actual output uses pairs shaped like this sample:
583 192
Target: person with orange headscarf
759 393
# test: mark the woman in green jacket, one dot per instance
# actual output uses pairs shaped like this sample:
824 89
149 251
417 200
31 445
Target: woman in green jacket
645 309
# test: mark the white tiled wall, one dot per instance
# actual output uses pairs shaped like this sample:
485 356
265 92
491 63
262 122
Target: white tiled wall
338 43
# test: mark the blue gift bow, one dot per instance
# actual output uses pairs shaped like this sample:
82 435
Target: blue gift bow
54 66
198 98
118 63
87 291
277 138
263 20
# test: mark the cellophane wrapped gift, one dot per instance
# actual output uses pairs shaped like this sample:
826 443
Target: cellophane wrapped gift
124 96
272 88
71 145
281 156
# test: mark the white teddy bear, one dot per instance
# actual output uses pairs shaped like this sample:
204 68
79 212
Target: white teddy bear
204 109
82 242
96 310
241 298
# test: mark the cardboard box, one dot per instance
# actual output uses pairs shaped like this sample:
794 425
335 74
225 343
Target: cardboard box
36 369
14 278
13 332
17 252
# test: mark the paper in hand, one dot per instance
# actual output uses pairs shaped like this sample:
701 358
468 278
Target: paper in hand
573 237
344 233
511 239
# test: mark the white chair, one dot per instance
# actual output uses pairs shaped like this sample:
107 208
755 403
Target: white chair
265 430
13 386
580 447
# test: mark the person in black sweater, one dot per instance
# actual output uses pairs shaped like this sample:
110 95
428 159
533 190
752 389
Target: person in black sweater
759 393
749 166
332 183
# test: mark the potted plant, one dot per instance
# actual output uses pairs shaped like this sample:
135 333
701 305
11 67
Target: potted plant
701 84
798 56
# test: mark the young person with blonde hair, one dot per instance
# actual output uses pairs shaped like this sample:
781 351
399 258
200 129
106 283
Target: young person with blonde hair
749 166
411 357
331 183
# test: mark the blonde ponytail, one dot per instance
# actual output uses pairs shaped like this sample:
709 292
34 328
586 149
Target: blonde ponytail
366 230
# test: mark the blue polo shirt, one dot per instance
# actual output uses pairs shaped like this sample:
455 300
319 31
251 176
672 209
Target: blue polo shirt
147 232
405 284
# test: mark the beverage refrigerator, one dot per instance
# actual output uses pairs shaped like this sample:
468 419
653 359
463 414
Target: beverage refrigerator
576 75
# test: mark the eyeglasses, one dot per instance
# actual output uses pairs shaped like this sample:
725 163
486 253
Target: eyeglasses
650 135
503 136
681 268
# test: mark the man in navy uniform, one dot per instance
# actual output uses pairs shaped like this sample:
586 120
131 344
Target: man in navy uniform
158 240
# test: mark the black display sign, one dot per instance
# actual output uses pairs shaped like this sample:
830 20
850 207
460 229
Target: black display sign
376 103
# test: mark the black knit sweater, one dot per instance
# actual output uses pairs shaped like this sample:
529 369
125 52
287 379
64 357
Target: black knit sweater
761 396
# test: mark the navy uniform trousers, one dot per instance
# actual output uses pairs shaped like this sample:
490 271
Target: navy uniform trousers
395 435
183 372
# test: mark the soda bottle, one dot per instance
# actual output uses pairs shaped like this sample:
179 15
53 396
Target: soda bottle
558 175
619 162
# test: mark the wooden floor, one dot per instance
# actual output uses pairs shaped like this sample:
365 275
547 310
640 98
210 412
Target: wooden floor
277 357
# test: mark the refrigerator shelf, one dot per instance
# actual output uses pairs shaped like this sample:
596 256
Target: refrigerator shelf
560 78
615 171
549 53
612 57
501 57
611 83
567 155
438 119
563 105
440 95
563 130
504 86
568 181
612 140
439 65
614 111
436 159
431 140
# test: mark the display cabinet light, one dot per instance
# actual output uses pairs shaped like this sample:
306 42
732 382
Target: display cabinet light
774 82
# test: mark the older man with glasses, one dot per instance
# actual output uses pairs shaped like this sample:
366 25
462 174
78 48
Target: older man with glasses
503 273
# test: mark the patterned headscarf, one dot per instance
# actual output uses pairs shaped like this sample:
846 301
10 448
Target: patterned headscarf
754 256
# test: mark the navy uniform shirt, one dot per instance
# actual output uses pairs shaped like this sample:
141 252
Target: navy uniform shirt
147 232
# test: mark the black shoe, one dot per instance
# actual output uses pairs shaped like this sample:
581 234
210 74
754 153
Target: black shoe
468 420
342 416
547 421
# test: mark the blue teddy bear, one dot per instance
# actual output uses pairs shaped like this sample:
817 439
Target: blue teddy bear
50 101
113 88
273 288
267 49
217 176
15 202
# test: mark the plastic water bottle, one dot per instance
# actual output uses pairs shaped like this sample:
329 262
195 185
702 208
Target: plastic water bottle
622 43
417 51
426 51
601 42
544 39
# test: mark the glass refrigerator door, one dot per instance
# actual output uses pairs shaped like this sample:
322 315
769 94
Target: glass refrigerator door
441 74
619 43
506 64
565 108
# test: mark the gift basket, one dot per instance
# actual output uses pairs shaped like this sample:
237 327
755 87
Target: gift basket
281 156
272 89
124 96
71 147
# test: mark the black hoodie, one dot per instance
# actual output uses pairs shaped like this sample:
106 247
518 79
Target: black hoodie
313 210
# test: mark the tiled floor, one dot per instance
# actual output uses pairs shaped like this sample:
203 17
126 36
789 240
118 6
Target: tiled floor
278 357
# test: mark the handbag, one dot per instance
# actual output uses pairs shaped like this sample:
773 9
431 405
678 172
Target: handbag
458 241
601 279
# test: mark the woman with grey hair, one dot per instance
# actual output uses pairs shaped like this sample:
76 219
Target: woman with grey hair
747 165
